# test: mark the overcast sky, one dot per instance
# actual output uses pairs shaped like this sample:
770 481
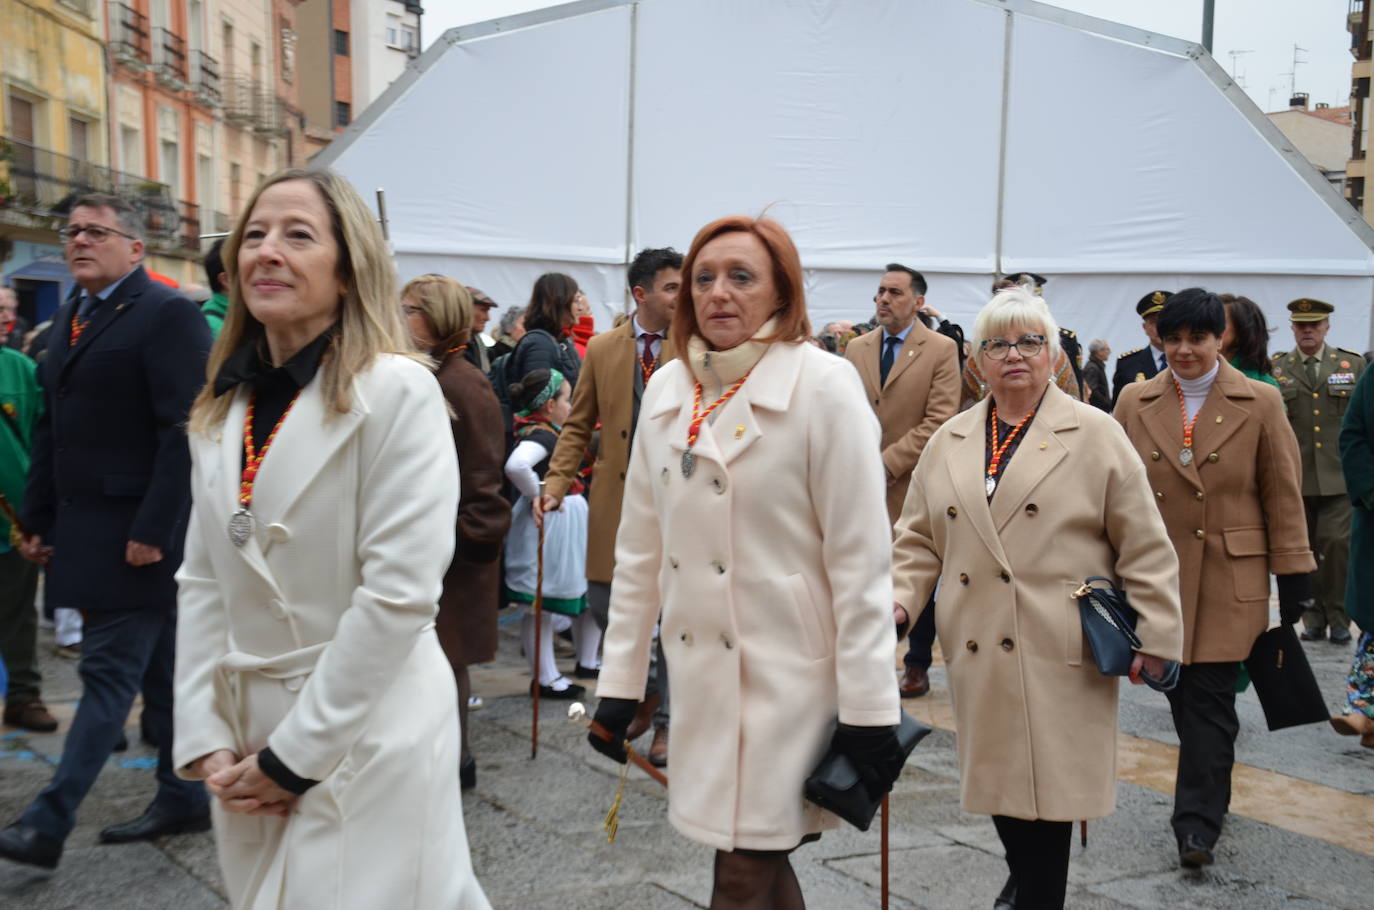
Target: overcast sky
1265 29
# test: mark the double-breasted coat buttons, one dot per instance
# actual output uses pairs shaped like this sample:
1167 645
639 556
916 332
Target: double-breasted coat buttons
725 640
972 646
963 578
1004 576
1154 456
718 484
719 567
1199 533
672 561
952 512
1214 458
1032 509
1007 644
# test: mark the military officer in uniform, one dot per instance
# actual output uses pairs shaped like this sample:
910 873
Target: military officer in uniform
1142 363
1317 381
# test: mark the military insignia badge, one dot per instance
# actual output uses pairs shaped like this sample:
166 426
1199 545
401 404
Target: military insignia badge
1157 298
1140 377
1345 364
1304 306
9 409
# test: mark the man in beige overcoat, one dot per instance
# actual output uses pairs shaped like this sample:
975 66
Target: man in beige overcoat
614 373
911 377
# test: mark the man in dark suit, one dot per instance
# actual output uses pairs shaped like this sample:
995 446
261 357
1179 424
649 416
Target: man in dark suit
106 507
1142 363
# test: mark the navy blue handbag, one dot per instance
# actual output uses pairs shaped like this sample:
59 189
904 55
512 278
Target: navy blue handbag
1109 626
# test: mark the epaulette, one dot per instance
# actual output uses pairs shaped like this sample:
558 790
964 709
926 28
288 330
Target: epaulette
1356 354
1064 331
1129 353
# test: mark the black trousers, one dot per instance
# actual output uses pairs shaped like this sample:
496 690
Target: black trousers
921 638
1038 857
1204 709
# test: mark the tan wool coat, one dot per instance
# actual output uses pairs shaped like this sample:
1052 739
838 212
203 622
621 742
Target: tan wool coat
921 392
770 566
1036 722
606 391
1235 514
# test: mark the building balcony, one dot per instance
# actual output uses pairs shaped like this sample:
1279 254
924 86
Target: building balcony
38 187
205 77
251 105
169 57
129 37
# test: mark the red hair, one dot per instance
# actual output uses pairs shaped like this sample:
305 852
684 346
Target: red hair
793 324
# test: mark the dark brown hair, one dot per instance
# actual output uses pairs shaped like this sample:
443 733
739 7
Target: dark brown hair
793 324
551 303
1251 346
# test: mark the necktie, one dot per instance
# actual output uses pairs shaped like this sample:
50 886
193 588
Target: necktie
1310 364
647 360
1163 362
890 345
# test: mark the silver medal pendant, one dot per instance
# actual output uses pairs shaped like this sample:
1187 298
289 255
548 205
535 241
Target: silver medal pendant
689 463
240 527
1185 457
991 485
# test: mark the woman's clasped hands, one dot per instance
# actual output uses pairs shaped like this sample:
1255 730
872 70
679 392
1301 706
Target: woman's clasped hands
241 786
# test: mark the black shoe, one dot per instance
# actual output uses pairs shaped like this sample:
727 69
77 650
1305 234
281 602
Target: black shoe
1338 636
1006 900
157 822
121 744
467 773
1317 634
572 693
1193 852
21 843
581 672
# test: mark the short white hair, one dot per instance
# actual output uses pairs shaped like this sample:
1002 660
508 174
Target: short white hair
1013 308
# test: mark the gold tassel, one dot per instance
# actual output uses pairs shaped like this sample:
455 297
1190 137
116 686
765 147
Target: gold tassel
612 822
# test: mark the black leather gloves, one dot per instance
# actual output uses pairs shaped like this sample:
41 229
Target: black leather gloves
614 715
1295 596
876 754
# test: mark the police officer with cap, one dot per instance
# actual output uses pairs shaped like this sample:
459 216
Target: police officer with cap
1317 381
1142 363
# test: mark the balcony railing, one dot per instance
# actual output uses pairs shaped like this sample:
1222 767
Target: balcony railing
169 55
43 184
129 38
251 104
205 76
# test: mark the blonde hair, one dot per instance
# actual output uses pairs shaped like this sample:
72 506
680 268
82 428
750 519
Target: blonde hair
369 320
1015 307
447 306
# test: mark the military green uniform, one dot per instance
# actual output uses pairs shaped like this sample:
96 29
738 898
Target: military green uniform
1316 395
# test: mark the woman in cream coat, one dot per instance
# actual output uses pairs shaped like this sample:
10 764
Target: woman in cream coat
1036 721
311 691
764 542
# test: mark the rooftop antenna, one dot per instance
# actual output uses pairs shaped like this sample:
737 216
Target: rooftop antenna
1293 76
1233 55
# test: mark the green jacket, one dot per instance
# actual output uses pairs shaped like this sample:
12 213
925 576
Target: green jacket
20 404
1316 410
1256 374
214 310
1357 459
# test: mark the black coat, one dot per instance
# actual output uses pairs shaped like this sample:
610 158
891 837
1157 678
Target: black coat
538 350
1133 366
110 462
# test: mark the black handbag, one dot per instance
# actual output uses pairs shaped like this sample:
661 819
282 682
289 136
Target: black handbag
835 784
1109 626
1287 690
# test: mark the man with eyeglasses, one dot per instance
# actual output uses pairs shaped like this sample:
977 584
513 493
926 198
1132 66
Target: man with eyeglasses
106 507
910 375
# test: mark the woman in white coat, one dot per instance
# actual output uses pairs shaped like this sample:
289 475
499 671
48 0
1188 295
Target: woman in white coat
754 521
311 692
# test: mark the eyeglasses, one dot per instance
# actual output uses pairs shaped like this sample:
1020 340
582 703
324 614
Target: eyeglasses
95 233
1028 345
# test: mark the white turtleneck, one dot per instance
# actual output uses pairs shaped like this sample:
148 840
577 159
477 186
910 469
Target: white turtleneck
1195 390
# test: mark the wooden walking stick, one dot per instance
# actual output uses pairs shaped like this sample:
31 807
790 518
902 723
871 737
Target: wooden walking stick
883 837
538 626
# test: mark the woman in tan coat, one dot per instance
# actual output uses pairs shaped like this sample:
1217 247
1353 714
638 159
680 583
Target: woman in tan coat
1224 466
1014 504
754 521
438 312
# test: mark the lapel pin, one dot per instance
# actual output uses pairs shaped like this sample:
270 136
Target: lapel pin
1218 418
739 431
1044 446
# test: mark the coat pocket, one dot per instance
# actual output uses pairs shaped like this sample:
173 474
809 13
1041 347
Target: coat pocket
1248 549
814 638
1073 626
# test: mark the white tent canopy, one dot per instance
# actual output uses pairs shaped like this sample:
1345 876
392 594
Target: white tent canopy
963 138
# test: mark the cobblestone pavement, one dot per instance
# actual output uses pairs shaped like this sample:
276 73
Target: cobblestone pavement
1300 837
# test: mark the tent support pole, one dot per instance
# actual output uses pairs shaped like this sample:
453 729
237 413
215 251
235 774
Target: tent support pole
1002 148
630 150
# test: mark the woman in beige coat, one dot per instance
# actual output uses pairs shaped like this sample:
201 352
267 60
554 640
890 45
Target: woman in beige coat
1224 466
1014 504
312 695
754 522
